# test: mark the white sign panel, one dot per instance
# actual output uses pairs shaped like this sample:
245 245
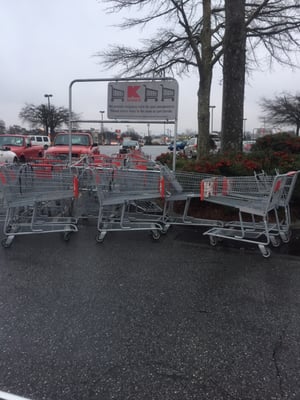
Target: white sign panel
149 100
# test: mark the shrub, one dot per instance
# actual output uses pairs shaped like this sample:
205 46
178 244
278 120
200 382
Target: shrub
271 153
284 142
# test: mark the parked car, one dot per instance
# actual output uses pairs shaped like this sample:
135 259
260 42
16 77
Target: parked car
21 146
40 140
128 145
247 145
190 149
180 145
82 144
7 156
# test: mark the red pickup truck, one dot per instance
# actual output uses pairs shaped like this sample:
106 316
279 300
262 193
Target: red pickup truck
21 146
82 145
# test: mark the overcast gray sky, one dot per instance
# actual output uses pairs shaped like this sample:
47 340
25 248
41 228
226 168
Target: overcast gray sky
45 44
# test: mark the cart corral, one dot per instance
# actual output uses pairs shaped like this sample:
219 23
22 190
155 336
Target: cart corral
130 192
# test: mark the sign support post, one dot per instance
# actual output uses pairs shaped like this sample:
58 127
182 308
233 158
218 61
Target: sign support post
140 100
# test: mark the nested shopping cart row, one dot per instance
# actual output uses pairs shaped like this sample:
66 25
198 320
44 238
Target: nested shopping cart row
44 198
36 199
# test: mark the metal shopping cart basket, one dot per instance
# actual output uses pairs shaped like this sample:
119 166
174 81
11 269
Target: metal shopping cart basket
180 187
116 190
38 199
251 199
283 214
183 187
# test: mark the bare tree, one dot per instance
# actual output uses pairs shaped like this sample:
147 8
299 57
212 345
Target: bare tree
189 39
192 36
273 26
284 110
48 117
269 25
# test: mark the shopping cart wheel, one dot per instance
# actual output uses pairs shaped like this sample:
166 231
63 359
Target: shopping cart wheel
155 234
7 242
286 236
213 240
100 237
265 251
275 240
165 229
67 236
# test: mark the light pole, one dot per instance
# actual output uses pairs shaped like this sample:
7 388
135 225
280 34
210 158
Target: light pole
48 97
244 127
49 108
101 128
212 118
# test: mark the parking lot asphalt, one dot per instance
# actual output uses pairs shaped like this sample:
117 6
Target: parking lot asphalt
136 319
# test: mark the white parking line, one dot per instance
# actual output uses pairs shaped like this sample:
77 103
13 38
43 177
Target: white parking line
9 396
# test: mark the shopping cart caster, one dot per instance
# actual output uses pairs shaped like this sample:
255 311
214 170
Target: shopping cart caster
213 240
100 237
165 229
155 235
7 241
265 251
275 240
286 236
67 236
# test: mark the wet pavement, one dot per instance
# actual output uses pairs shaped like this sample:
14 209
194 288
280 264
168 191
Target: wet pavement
136 319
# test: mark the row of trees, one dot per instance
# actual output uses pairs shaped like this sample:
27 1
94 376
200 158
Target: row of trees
200 35
282 110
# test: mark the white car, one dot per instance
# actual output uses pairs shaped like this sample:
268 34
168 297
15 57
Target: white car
40 140
7 156
128 145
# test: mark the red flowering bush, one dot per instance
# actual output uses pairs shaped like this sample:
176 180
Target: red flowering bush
279 153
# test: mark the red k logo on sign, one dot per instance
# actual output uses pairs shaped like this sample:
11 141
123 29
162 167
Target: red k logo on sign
132 93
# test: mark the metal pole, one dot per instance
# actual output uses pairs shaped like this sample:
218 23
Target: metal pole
244 127
70 122
212 118
101 129
49 108
119 121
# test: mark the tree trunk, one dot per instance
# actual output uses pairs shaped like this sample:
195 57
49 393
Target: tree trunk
205 78
233 76
203 113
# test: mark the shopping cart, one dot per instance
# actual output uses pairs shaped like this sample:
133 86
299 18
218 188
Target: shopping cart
179 188
117 94
117 190
282 211
167 93
37 199
150 94
256 201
